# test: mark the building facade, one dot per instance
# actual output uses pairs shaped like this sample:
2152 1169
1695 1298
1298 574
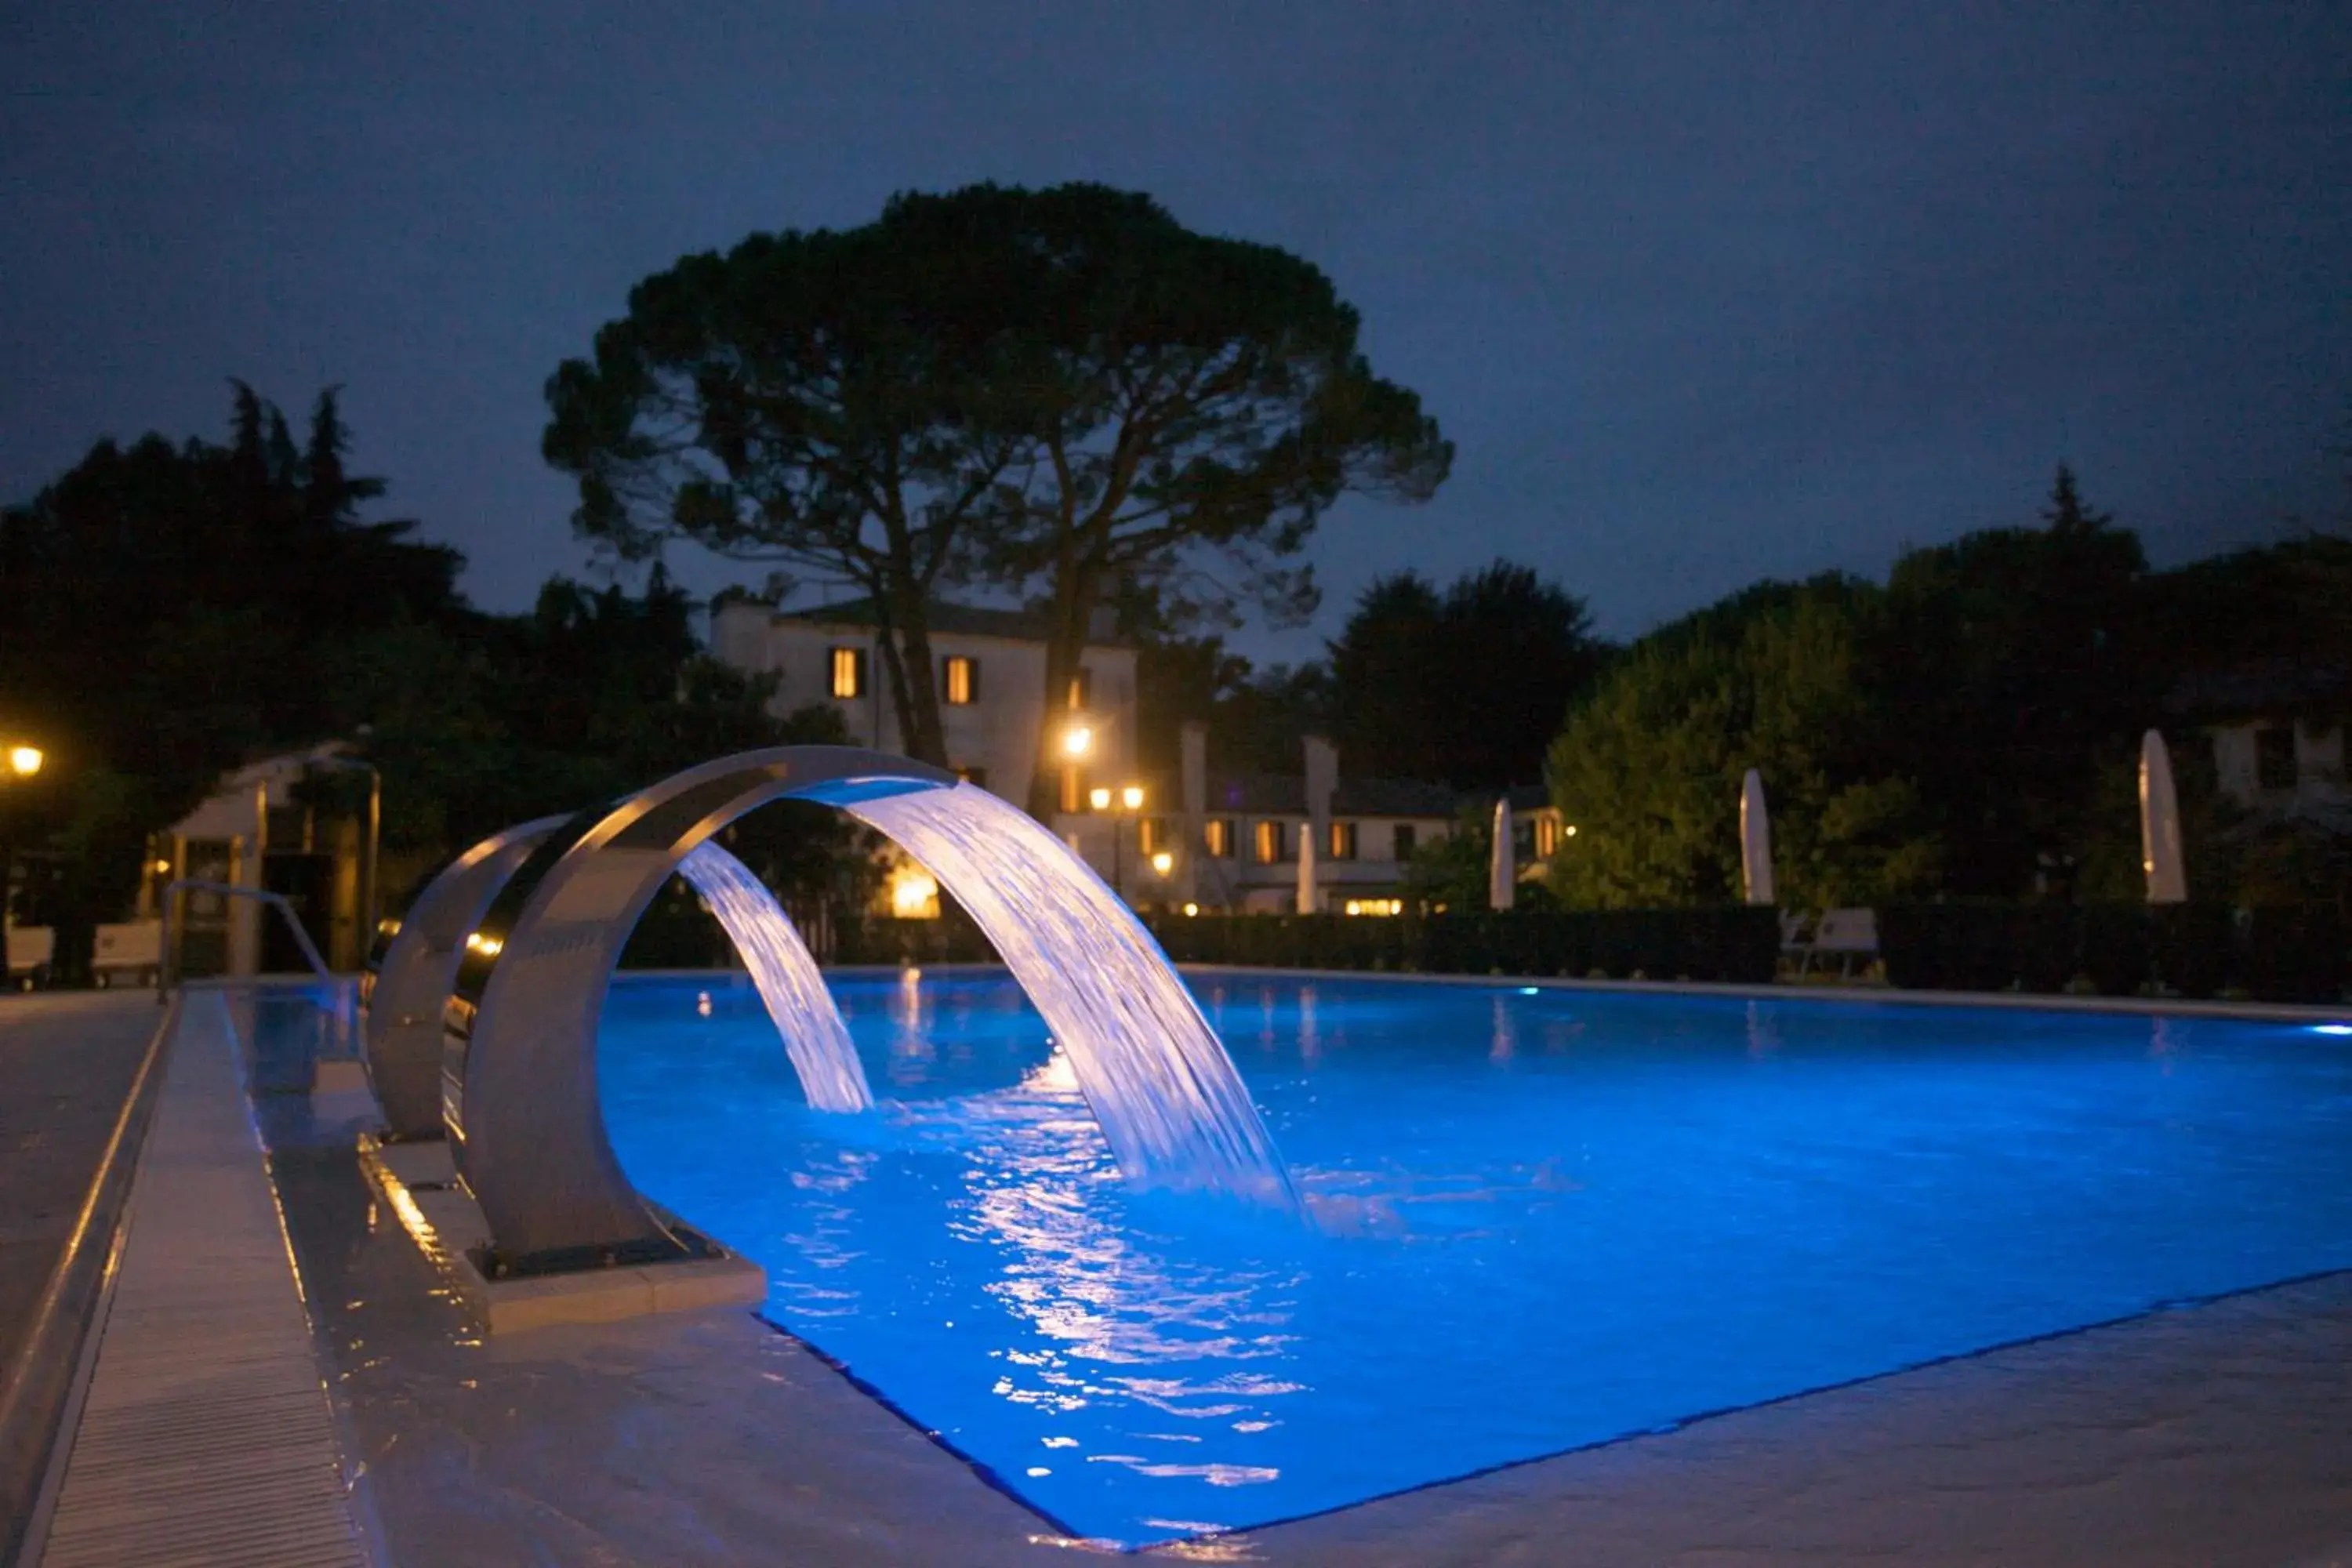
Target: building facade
2277 734
990 681
1221 842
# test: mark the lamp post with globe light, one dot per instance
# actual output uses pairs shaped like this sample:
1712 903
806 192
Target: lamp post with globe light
19 761
1124 803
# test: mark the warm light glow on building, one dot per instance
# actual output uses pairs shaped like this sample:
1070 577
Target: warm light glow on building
1163 862
914 895
848 665
25 761
1192 908
1077 741
1374 906
487 947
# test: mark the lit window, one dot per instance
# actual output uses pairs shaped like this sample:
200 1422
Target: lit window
1151 835
1081 688
848 671
1343 841
1269 844
1405 840
1547 836
962 681
1374 906
1074 787
1218 837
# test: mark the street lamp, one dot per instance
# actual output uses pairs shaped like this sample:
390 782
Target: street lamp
1130 801
24 761
1077 739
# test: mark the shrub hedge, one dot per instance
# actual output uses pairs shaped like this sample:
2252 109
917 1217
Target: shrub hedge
1735 943
884 938
2286 954
2295 954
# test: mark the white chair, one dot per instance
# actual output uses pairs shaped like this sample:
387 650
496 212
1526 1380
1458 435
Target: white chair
30 949
1848 934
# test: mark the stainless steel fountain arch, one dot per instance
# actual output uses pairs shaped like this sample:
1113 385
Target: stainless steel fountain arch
519 1066
416 967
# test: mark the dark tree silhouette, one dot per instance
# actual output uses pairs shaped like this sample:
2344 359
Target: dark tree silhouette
1061 388
1466 686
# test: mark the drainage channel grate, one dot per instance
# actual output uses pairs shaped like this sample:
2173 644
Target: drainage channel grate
206 1436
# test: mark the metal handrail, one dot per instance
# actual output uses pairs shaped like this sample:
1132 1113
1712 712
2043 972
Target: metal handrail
175 926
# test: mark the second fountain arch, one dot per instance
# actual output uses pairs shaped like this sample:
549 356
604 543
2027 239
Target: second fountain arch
519 1091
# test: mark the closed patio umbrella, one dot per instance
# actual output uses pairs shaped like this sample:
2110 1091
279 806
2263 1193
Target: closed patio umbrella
1501 882
1755 841
2159 825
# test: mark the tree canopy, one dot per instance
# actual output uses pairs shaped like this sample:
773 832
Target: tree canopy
1054 389
1650 763
176 607
1464 687
1973 729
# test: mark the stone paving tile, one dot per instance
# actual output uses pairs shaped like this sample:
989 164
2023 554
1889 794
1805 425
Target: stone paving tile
66 1060
701 1437
2210 1437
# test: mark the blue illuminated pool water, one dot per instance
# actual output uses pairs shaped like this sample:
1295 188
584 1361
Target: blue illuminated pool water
1540 1221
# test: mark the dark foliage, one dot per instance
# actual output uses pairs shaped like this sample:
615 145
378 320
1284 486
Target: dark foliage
1464 687
2277 954
1731 943
1060 388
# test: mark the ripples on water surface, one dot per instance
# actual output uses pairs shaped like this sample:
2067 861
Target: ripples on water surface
1538 1221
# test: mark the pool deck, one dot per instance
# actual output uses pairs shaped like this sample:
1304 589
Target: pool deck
2219 1434
67 1062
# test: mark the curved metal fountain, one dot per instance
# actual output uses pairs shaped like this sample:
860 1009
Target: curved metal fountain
413 967
518 1079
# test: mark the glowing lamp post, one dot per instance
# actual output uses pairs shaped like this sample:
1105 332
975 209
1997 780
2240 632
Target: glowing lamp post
24 761
1129 800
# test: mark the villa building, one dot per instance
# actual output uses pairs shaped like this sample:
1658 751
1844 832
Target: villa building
1211 841
1254 833
254 831
2277 734
990 682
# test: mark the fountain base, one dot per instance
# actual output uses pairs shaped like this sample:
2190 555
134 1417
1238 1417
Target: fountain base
419 1183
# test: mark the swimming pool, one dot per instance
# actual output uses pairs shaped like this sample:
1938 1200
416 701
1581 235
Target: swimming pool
1539 1220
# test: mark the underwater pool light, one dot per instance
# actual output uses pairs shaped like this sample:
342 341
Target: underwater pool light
2332 1028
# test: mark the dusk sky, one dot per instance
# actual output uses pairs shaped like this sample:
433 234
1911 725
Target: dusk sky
1703 292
